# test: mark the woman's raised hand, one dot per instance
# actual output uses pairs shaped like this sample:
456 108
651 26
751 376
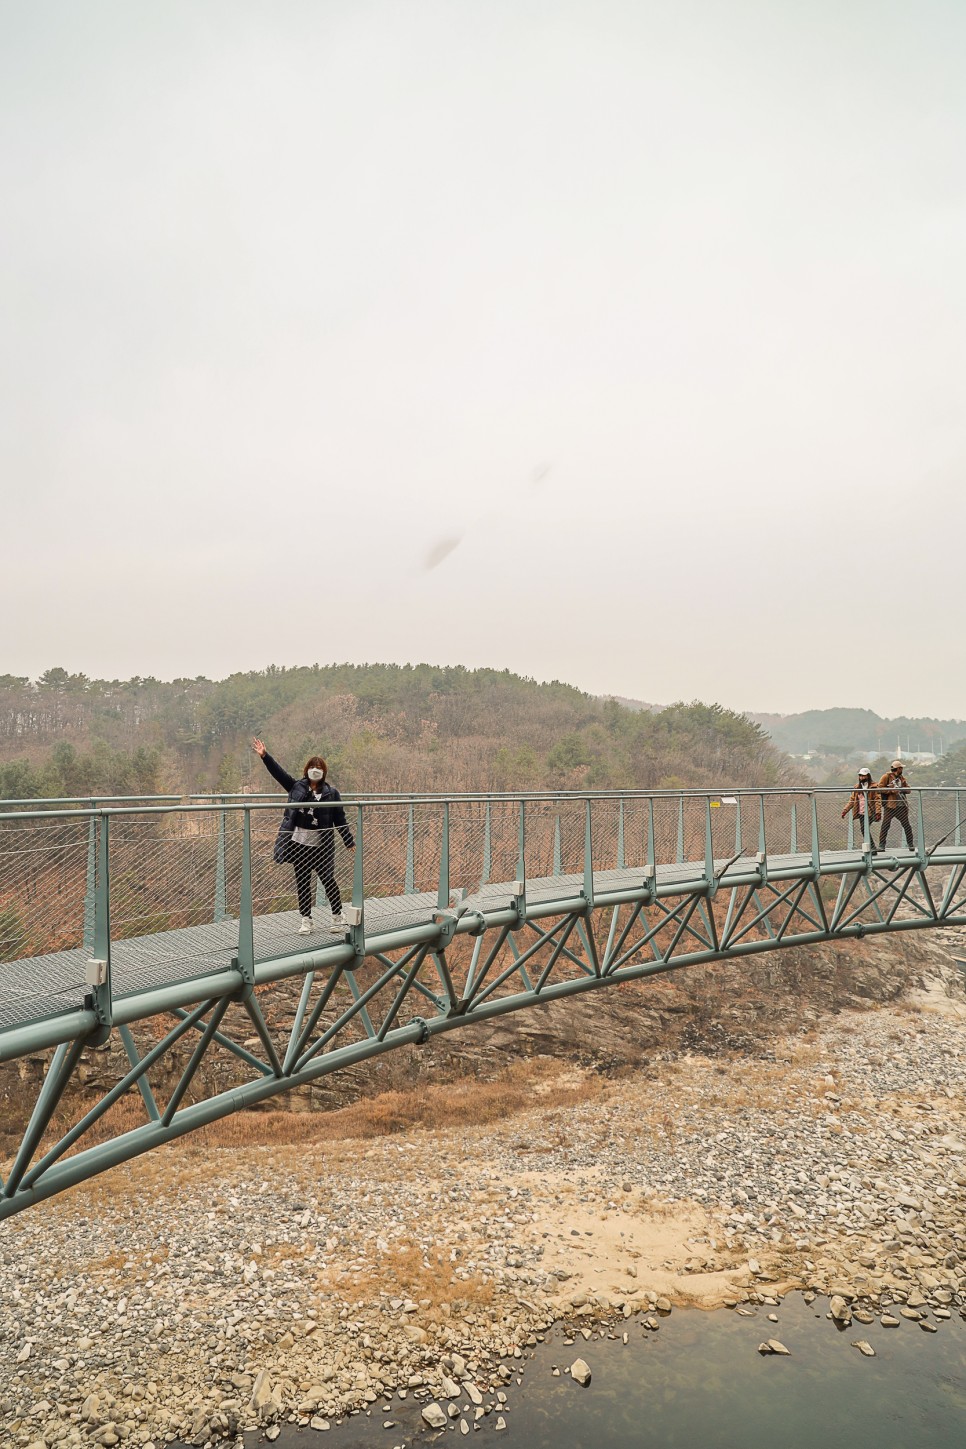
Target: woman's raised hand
259 748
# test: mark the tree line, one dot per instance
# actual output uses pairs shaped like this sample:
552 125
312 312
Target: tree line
381 727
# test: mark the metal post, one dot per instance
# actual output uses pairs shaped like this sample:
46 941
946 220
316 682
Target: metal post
410 855
91 884
520 887
99 968
620 835
651 857
221 894
680 855
738 845
762 843
588 859
557 860
920 829
708 842
487 845
442 899
816 848
245 960
357 932
793 842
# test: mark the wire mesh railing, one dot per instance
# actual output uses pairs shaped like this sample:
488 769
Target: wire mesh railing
179 892
168 878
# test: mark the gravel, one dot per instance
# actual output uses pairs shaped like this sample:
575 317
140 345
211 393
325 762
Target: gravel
191 1296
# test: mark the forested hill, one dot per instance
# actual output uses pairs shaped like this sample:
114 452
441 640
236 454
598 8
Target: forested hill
381 727
839 731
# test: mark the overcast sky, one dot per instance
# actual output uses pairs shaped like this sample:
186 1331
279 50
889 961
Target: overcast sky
659 309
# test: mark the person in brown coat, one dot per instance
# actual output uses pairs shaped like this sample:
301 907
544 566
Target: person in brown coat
864 801
894 791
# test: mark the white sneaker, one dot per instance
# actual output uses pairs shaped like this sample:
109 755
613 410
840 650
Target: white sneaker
339 923
305 925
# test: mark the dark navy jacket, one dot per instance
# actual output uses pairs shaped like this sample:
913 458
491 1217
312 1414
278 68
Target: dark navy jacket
313 818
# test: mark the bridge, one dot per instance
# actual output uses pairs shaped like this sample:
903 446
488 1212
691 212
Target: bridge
160 933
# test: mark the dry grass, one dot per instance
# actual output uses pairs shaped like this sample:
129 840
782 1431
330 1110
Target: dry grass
463 1104
466 1103
286 1252
128 1270
155 1173
404 1271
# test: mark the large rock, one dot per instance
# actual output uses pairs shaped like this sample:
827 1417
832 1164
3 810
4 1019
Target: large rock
580 1372
840 1310
261 1400
435 1416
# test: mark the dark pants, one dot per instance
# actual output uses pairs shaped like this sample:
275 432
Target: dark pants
858 831
890 813
321 859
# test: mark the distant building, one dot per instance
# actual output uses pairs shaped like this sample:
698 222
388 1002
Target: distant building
914 757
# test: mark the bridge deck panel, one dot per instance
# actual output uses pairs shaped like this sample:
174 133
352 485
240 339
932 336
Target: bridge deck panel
39 987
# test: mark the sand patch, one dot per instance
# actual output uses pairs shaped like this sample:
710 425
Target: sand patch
616 1254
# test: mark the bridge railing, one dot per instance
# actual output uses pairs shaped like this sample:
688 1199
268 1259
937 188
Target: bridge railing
81 802
144 877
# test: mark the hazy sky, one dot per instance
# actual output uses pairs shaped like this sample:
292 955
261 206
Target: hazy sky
659 308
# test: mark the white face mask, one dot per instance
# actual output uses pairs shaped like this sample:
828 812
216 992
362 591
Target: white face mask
316 774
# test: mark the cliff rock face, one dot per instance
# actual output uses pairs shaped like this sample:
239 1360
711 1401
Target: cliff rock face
730 1007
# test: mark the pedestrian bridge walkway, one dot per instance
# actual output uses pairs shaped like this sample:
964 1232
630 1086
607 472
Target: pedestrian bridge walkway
166 931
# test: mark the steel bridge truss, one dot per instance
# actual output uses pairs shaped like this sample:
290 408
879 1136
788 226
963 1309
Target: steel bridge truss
277 1022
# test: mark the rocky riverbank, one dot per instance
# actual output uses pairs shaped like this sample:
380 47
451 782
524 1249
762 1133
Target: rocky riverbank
204 1289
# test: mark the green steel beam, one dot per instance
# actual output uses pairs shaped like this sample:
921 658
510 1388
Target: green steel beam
139 1140
144 1086
784 894
58 1075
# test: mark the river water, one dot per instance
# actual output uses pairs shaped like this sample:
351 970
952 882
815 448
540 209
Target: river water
699 1381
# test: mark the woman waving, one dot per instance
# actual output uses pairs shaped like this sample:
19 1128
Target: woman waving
306 836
